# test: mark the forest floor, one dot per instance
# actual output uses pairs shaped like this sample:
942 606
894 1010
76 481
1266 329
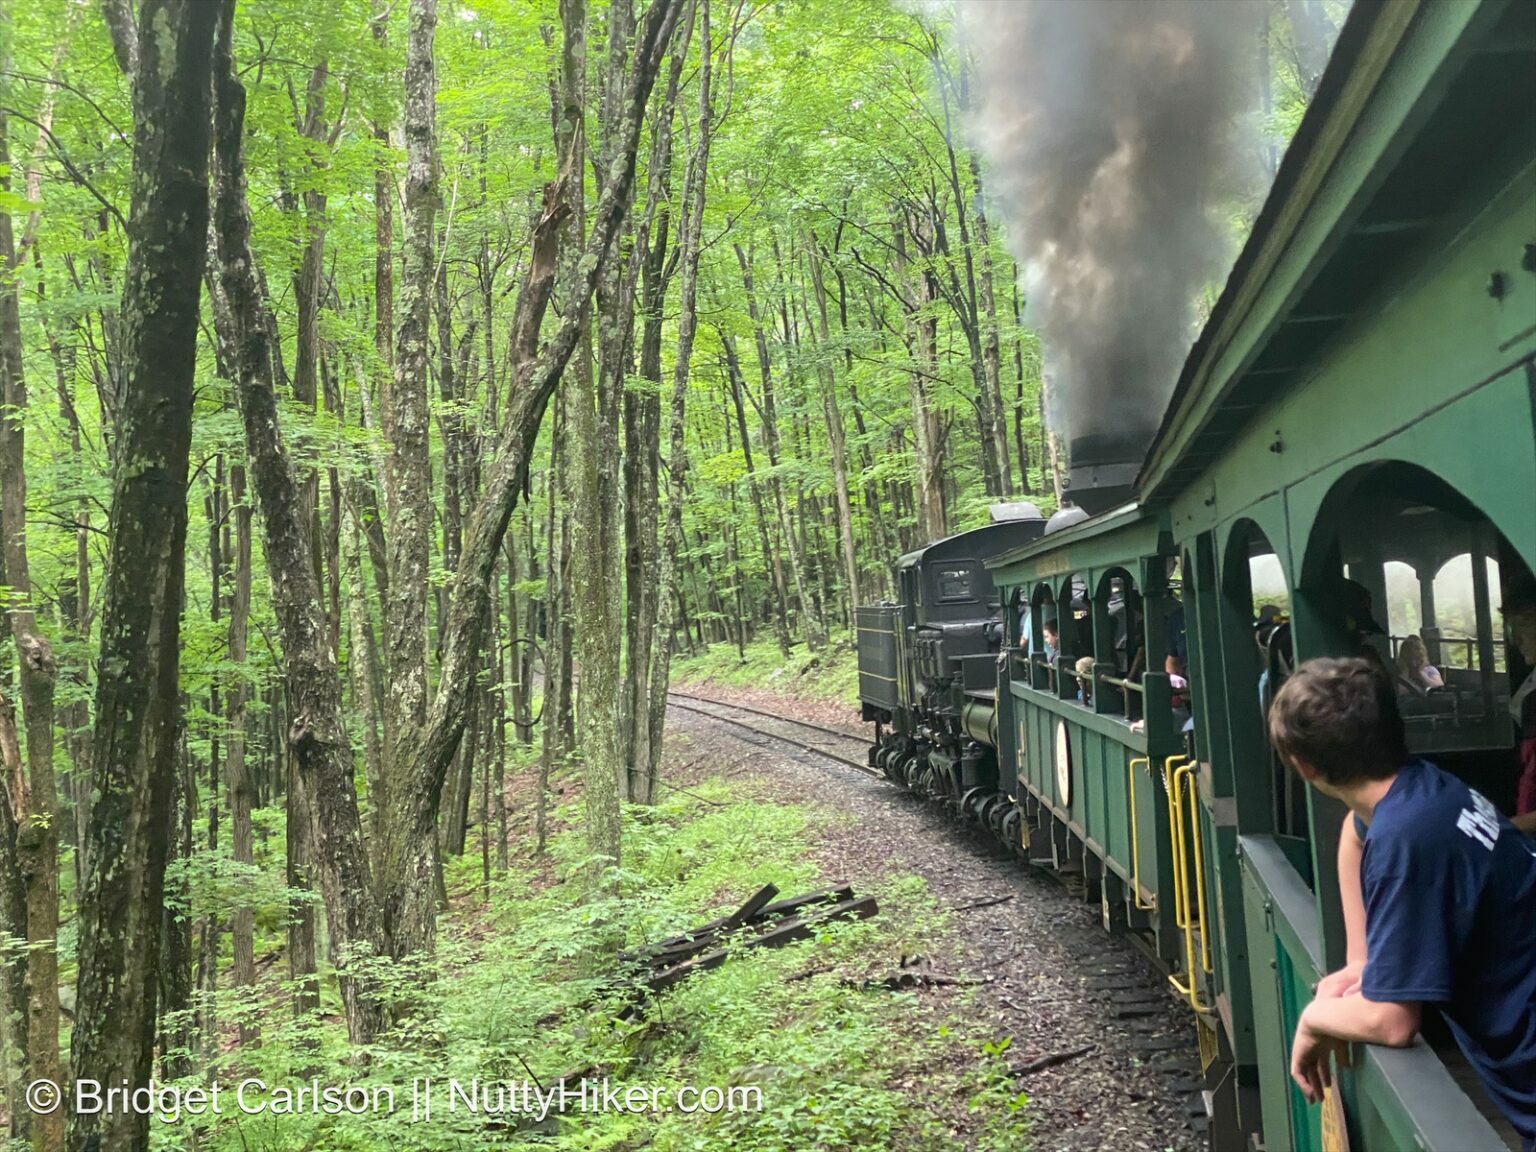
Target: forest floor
823 687
1051 985
1035 1044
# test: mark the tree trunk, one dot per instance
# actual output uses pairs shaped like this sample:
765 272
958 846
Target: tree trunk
137 682
811 622
922 340
594 604
642 785
835 436
410 860
176 927
237 778
533 375
302 956
1311 31
772 558
13 921
316 737
992 358
642 421
37 839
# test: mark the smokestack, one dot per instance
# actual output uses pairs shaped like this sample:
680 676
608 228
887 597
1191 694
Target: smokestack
1102 472
1114 133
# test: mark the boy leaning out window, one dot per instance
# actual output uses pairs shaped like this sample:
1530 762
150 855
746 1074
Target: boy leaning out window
1446 884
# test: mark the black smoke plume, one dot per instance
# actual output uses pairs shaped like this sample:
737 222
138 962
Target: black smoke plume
1119 136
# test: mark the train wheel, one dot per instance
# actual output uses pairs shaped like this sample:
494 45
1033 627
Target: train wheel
986 806
970 801
996 816
1013 822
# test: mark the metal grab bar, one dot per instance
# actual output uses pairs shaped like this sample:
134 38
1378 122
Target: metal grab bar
1185 917
1127 685
1130 775
1197 838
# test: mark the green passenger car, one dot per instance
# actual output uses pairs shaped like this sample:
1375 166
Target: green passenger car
1352 442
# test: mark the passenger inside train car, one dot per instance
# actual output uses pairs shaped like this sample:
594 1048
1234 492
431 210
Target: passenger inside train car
1414 671
1448 888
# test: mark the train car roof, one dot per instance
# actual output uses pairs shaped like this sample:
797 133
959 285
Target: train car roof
1121 535
1007 533
1418 99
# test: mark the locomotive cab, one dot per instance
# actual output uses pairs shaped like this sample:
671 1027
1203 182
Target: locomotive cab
928 665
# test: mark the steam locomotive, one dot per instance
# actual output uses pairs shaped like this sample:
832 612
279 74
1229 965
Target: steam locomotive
1348 457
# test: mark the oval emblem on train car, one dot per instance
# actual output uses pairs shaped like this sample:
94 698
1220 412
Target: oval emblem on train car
1063 763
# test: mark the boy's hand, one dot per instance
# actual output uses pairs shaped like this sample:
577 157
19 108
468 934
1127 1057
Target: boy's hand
1309 1060
1344 982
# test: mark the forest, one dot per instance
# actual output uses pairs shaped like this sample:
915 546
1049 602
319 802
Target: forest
398 397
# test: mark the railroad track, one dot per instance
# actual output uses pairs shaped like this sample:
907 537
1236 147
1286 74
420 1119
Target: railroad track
815 747
1131 988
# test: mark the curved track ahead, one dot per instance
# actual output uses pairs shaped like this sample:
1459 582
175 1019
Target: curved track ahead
1133 998
815 747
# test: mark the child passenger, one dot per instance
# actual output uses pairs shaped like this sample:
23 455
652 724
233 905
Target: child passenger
1448 888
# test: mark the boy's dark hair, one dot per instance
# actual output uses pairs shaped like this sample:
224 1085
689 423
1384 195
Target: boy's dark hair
1340 717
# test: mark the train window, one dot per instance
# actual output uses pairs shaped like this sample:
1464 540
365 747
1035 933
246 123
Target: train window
954 582
1077 647
1431 575
1121 635
1021 638
1260 651
1047 639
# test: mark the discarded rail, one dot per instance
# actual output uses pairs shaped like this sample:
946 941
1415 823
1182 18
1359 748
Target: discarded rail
761 922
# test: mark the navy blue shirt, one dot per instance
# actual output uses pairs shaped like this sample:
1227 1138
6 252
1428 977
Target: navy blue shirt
1450 920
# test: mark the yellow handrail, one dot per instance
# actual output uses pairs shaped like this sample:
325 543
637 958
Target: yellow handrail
1130 773
1173 782
1197 838
1176 835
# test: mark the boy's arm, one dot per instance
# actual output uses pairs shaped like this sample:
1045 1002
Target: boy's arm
1350 894
1526 823
1362 1021
1327 1024
1347 979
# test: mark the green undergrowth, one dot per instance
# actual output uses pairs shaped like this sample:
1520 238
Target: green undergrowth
515 992
831 674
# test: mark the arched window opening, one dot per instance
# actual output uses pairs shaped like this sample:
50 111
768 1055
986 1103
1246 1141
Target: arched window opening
1452 640
1258 604
1045 629
1176 656
1402 535
1405 601
1121 652
1021 641
1077 657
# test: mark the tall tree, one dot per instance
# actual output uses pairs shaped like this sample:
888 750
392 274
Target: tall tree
137 690
35 805
316 738
642 783
409 905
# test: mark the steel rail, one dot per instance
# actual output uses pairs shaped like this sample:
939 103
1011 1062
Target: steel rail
841 734
817 749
